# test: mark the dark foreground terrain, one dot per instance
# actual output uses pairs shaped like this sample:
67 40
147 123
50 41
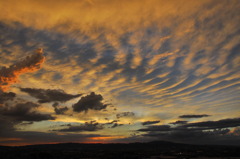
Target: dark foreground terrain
159 149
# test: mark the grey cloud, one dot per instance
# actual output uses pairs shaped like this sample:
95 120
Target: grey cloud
113 123
116 125
49 95
88 126
179 122
58 109
125 114
194 116
150 122
157 128
92 101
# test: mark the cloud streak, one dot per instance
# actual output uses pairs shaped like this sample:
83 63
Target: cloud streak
150 122
194 116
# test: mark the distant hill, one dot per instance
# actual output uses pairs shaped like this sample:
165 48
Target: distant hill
161 149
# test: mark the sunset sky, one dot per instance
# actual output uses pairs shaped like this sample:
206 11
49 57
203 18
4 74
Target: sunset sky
108 71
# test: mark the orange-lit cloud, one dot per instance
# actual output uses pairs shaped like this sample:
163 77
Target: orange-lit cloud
9 76
110 13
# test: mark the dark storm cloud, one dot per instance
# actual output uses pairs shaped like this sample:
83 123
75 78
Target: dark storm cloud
92 101
6 96
88 126
24 112
49 95
179 122
194 116
125 114
150 122
59 109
